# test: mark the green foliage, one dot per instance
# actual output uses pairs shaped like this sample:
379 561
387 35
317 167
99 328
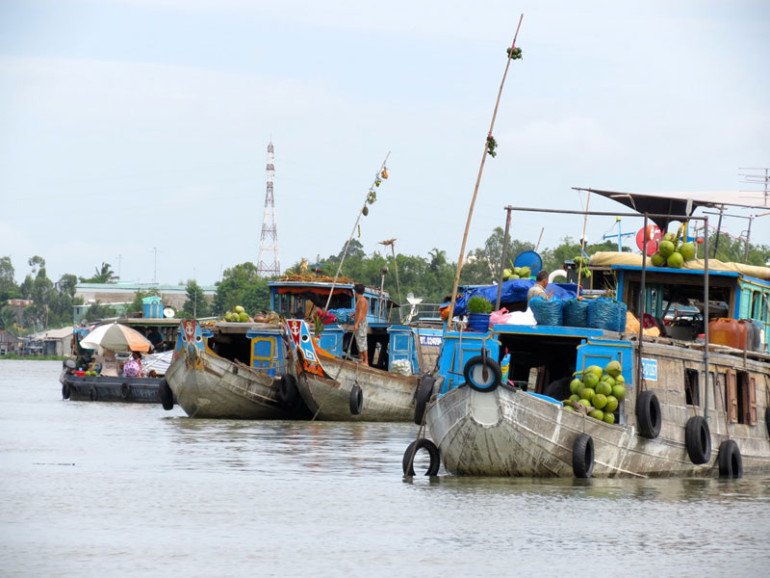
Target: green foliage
241 285
553 259
479 304
197 304
99 311
104 274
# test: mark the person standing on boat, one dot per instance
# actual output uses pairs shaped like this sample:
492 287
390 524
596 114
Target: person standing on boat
360 326
538 289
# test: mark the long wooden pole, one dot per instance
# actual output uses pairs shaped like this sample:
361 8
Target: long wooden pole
478 178
583 242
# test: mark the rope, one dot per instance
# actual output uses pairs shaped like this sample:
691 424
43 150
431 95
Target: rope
355 226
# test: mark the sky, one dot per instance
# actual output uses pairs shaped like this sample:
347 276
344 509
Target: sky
135 132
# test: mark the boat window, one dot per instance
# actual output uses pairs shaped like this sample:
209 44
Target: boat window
691 389
746 398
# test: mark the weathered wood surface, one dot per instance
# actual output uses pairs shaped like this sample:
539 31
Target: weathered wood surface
387 396
511 433
208 386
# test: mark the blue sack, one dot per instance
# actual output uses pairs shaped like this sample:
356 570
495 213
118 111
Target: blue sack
546 311
575 313
607 314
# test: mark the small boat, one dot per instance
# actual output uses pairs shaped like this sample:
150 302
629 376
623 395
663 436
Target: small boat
208 379
694 389
337 389
104 382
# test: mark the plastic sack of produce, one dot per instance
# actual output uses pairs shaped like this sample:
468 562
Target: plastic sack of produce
501 316
607 314
343 315
575 313
547 311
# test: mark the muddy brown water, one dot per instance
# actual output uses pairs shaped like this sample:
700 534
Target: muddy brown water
90 488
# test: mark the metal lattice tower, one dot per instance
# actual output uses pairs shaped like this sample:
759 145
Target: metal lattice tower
268 264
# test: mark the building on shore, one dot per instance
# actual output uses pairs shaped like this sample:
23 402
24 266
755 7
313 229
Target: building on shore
121 295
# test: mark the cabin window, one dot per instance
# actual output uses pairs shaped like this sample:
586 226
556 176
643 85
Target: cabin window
741 397
691 389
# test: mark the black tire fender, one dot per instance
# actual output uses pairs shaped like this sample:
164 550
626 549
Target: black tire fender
65 390
730 461
288 392
482 373
583 456
93 395
356 400
411 451
166 395
423 395
697 440
125 391
648 416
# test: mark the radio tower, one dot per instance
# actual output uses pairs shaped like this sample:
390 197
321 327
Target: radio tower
268 264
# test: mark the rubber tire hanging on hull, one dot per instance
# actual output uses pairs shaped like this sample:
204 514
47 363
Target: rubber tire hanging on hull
730 461
125 391
648 418
65 391
411 451
288 392
356 400
697 440
93 395
166 395
482 373
583 456
424 392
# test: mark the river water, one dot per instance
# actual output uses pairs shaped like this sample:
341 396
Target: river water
91 488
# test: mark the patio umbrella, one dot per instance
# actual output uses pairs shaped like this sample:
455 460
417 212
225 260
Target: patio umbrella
116 337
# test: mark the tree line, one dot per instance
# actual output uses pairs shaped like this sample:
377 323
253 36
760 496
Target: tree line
430 278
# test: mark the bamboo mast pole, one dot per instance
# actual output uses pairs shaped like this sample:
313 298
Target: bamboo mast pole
583 242
478 178
353 232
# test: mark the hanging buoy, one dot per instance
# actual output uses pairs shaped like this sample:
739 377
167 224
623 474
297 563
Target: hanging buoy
384 173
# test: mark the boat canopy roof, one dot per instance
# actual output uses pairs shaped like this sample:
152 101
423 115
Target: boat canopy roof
683 204
633 260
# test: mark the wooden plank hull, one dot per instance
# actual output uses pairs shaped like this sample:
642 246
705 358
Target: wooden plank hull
109 388
208 386
387 397
509 432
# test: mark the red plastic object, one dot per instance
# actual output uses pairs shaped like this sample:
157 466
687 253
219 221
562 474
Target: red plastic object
654 234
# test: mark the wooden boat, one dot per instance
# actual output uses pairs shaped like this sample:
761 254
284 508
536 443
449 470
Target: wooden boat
110 388
695 399
339 389
79 385
208 380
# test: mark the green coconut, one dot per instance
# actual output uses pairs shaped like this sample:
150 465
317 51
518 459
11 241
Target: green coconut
613 368
597 414
619 391
675 260
658 260
603 388
609 418
599 401
575 385
587 394
666 248
688 251
612 404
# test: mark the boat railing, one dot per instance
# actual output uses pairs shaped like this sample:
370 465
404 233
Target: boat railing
412 314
